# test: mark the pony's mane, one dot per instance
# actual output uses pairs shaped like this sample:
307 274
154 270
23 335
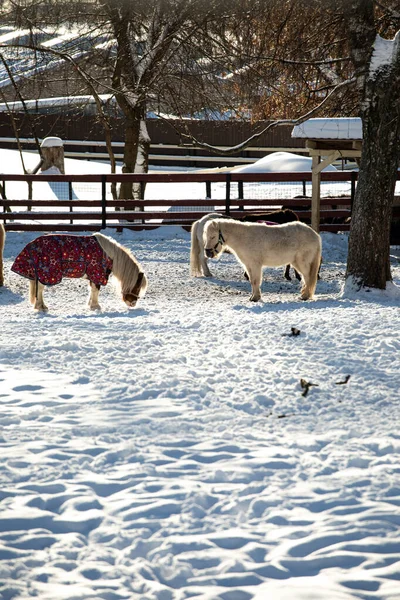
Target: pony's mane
229 221
126 269
251 224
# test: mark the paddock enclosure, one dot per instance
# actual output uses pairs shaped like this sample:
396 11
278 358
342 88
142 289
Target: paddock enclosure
234 194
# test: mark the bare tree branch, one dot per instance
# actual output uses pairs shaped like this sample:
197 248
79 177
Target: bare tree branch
294 122
89 82
394 14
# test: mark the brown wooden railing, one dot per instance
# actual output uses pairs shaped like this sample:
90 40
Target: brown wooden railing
135 214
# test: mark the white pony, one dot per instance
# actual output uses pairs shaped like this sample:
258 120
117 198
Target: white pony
47 259
198 260
2 240
257 246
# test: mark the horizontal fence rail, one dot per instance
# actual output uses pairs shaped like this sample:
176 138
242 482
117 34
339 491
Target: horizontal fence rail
74 214
162 153
165 135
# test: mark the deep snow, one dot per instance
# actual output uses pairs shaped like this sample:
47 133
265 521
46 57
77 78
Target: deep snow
167 452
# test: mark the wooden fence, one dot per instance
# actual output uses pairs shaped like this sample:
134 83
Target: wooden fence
167 143
93 215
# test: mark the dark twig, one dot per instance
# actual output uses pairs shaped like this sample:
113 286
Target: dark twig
306 386
294 332
344 381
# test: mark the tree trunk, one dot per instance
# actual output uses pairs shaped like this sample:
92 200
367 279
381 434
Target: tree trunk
368 262
142 159
377 68
132 129
136 151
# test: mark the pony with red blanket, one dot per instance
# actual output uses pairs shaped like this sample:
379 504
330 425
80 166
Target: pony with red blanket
49 258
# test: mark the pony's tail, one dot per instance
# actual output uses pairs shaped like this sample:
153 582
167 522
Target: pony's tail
195 264
314 270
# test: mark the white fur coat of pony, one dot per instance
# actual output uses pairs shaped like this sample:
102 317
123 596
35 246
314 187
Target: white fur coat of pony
198 259
257 246
130 277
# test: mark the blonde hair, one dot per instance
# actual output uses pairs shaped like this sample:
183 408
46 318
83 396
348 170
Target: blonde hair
126 268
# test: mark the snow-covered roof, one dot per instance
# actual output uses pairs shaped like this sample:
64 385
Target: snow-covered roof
329 129
280 162
40 104
24 62
52 102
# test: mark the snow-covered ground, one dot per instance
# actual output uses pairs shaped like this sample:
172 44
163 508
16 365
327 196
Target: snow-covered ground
168 452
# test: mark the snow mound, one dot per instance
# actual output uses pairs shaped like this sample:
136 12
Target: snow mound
278 162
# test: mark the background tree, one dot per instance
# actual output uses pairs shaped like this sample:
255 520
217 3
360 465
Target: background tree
377 66
163 56
157 55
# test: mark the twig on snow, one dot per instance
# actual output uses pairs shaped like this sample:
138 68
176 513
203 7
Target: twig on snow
344 381
306 386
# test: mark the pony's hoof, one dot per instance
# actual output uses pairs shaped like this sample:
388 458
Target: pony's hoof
255 298
42 308
95 307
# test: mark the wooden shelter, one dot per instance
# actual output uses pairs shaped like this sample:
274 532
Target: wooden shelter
327 140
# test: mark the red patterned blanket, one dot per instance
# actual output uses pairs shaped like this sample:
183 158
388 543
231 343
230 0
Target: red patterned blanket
49 258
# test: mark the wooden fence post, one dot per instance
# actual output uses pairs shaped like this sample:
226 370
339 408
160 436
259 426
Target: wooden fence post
52 149
316 194
228 194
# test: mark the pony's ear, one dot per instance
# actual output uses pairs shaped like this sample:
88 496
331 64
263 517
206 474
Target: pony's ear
212 225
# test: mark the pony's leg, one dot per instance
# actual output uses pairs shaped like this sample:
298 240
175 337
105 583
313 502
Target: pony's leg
36 295
255 277
94 296
204 264
287 273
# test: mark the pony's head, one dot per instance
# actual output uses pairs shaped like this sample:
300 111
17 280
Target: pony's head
131 280
213 239
131 295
